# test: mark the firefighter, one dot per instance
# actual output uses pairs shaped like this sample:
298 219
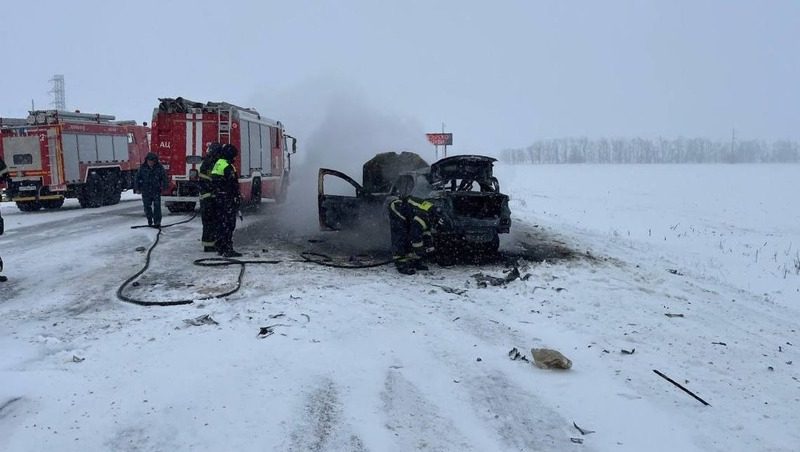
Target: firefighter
228 199
409 221
151 180
5 176
208 208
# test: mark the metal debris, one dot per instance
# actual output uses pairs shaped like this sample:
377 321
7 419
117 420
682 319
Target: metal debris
452 290
577 440
674 272
583 431
514 354
204 319
628 352
719 343
681 387
669 314
265 331
77 359
484 280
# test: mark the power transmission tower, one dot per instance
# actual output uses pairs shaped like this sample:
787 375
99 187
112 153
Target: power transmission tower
59 94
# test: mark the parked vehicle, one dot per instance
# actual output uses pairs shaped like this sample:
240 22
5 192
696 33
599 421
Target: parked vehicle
469 208
57 154
182 131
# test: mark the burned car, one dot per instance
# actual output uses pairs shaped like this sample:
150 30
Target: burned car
469 209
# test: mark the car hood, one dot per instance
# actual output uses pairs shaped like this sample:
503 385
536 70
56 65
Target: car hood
462 166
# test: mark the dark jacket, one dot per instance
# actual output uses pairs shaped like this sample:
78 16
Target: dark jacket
4 177
210 159
4 174
151 181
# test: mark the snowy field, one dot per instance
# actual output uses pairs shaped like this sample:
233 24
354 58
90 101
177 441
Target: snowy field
368 360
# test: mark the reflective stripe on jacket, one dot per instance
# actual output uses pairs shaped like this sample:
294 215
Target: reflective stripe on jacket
219 167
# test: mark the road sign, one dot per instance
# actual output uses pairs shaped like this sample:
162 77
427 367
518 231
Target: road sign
440 139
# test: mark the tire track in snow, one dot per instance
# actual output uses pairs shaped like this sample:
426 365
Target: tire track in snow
414 420
320 426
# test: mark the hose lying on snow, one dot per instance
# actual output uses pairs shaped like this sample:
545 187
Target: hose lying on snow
308 256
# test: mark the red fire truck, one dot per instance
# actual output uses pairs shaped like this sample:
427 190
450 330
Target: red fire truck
56 154
183 130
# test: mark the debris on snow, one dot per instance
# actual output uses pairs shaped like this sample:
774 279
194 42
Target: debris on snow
577 440
77 359
628 352
484 280
452 290
514 354
583 432
674 272
719 343
681 387
546 358
204 319
669 314
265 331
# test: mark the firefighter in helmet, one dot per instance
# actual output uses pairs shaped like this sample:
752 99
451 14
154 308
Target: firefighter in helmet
4 177
228 199
208 207
409 221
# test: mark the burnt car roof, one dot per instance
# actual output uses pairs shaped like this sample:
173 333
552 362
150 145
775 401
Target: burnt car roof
462 166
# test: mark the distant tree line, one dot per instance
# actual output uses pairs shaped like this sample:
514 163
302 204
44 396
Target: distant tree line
638 150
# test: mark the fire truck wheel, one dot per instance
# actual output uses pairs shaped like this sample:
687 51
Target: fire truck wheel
91 194
53 203
111 195
111 189
28 206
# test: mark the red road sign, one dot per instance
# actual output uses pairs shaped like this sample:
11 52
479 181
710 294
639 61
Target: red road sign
440 139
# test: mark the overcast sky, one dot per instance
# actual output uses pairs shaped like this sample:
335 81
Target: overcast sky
498 74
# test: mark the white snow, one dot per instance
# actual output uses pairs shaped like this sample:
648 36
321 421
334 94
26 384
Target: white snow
371 360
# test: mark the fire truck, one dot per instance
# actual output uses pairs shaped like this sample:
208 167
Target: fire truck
182 130
55 154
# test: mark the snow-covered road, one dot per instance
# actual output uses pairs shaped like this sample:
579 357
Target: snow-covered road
370 360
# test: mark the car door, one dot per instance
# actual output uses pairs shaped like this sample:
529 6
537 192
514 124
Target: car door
338 211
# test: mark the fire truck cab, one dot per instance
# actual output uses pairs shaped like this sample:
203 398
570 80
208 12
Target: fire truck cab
57 154
182 130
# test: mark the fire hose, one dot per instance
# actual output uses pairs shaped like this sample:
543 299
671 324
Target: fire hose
307 256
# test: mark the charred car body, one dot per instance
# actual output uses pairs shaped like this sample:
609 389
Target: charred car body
469 209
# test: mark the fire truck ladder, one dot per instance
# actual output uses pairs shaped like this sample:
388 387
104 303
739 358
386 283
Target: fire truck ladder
224 126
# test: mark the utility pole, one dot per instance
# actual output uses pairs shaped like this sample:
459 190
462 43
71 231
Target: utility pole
445 146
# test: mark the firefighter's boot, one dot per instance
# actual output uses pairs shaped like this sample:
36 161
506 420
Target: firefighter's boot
406 269
404 264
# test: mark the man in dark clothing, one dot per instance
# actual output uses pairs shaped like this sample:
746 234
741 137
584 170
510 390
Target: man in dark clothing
208 208
4 177
409 222
151 180
228 199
